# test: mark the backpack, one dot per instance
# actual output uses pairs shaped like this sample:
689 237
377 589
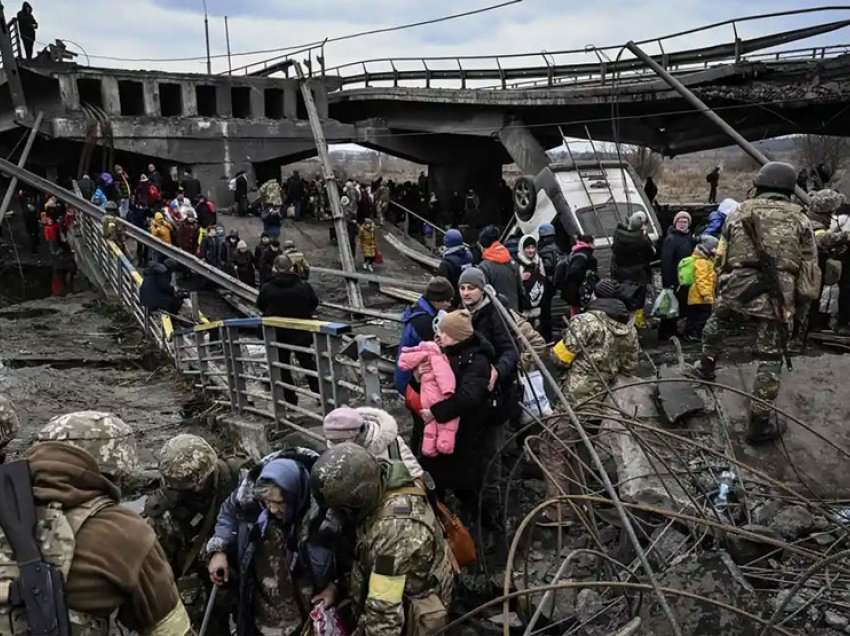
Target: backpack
562 270
686 271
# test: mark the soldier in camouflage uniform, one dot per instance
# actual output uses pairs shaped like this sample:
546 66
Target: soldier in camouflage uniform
112 565
183 513
598 345
9 425
744 296
401 581
104 436
832 244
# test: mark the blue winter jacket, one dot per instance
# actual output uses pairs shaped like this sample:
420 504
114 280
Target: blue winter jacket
417 326
715 223
313 533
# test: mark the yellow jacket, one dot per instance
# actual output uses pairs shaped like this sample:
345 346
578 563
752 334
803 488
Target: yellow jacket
705 281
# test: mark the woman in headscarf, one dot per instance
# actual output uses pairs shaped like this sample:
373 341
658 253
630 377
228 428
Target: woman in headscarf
274 533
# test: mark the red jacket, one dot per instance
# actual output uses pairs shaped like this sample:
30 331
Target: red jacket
51 232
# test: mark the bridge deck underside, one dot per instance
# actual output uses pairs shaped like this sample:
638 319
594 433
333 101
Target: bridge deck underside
759 100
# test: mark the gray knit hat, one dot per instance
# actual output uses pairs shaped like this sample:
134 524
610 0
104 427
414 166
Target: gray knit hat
472 276
607 288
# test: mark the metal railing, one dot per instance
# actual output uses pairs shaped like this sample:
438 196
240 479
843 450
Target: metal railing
525 66
431 239
247 364
15 38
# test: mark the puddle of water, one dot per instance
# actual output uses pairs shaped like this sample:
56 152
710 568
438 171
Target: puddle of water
36 283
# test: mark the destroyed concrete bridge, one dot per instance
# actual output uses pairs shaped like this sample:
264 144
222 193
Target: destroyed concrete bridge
463 117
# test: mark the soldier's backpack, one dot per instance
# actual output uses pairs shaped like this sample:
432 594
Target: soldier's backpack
56 532
686 271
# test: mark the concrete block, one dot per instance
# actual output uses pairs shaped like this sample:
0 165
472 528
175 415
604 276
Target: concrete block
320 96
150 94
69 93
290 102
190 99
258 103
109 95
225 105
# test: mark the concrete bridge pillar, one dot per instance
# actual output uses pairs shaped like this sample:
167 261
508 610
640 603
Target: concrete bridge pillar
150 95
109 95
523 147
190 99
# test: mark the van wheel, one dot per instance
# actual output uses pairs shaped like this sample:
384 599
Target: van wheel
525 198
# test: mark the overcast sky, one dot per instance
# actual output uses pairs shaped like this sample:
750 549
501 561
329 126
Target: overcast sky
175 28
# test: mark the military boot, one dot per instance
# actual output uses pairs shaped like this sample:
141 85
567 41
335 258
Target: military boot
764 428
704 369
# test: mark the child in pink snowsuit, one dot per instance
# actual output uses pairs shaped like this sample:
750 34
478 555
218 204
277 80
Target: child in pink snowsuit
437 381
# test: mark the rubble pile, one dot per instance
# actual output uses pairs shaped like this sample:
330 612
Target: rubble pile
734 546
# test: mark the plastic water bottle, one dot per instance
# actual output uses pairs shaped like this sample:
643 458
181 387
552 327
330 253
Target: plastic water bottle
727 480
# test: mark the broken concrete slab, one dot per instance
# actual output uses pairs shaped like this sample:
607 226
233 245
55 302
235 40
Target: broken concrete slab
677 400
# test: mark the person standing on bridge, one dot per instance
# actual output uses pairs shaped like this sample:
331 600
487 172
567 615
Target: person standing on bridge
295 193
286 295
26 27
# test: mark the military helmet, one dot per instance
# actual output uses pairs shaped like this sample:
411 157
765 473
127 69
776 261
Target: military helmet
776 176
826 201
9 423
346 477
104 436
187 460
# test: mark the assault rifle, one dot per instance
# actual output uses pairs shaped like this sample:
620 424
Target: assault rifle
768 282
40 586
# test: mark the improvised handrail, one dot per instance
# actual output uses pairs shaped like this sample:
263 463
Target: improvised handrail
299 324
610 47
714 53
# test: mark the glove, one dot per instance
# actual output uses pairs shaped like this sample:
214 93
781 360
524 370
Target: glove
412 399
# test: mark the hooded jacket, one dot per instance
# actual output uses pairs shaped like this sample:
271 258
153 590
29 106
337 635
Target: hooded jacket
535 285
705 280
603 340
437 381
156 292
417 326
717 218
455 260
502 274
631 255
118 563
242 524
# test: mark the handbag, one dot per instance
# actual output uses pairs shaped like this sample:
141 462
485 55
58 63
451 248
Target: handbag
460 541
379 257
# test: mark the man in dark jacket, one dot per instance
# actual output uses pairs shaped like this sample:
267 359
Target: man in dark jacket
678 244
456 258
631 257
488 322
286 295
713 178
574 271
417 322
498 267
26 27
156 292
295 193
191 186
86 185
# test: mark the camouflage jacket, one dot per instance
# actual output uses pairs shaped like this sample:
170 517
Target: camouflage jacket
786 234
184 521
401 555
596 339
270 193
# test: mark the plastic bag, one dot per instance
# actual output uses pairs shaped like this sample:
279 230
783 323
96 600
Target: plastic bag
666 305
326 621
534 397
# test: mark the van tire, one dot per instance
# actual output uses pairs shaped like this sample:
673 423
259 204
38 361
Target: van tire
525 198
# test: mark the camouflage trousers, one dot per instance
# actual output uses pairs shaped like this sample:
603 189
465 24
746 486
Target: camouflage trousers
723 324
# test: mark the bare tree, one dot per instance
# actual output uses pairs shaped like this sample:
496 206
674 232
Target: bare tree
813 150
645 161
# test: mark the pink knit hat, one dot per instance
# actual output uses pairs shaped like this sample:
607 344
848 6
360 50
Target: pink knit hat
342 424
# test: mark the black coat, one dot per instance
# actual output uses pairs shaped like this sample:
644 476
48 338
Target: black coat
463 470
631 255
243 262
677 245
156 292
288 296
191 188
